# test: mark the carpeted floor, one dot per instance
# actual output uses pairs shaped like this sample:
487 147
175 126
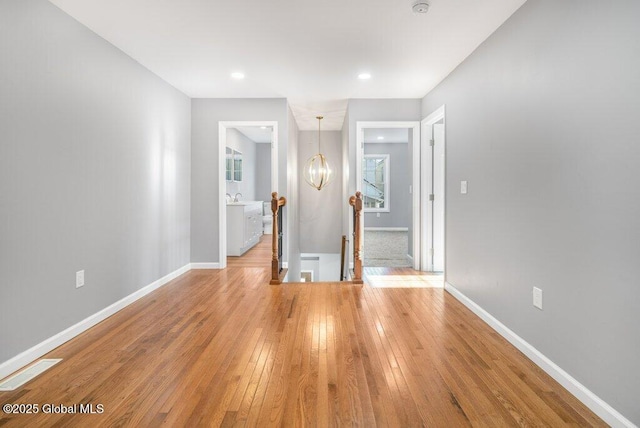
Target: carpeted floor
386 248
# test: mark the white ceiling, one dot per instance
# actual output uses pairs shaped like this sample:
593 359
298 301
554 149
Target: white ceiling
256 133
310 52
389 135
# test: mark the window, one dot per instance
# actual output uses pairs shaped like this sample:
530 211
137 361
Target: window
375 183
233 165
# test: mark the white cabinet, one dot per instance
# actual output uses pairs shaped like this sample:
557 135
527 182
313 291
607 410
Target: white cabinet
244 226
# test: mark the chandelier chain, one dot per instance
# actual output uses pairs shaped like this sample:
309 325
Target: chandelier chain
319 135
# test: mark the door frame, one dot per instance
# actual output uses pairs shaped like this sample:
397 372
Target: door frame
426 163
415 186
222 182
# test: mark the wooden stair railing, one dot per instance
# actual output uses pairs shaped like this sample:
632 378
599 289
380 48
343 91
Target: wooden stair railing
277 271
356 203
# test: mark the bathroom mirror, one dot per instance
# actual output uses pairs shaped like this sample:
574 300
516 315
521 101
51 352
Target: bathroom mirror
233 165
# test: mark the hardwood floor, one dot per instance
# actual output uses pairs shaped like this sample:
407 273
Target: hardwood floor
223 348
258 256
401 277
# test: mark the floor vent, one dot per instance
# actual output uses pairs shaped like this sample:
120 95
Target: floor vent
24 376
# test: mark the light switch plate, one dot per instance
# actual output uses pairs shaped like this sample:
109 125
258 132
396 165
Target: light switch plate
537 298
463 187
79 278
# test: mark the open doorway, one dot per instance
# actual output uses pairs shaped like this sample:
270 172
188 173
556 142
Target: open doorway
386 200
248 174
387 174
433 191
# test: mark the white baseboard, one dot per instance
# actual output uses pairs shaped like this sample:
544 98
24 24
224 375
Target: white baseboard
581 392
214 265
35 352
285 265
386 229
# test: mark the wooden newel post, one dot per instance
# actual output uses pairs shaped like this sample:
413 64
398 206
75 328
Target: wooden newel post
356 203
276 257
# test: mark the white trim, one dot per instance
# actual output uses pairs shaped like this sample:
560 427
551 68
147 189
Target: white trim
214 265
222 182
35 352
415 128
435 116
386 142
410 259
285 265
386 229
581 392
426 184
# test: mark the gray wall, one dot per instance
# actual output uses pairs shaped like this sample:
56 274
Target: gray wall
542 120
346 213
205 115
321 210
94 174
399 180
292 209
378 110
263 172
325 267
247 187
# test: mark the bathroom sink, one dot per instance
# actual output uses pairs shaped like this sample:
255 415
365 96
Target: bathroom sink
243 203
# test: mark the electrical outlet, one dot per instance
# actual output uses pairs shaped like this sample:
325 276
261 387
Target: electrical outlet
378 215
463 187
537 298
79 278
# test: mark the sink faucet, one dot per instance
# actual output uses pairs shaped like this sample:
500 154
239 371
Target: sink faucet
235 198
229 198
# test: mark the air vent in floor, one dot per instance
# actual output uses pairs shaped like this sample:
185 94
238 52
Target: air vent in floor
27 374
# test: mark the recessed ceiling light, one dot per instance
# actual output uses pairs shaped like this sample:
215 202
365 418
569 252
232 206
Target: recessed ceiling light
237 75
263 127
381 138
364 76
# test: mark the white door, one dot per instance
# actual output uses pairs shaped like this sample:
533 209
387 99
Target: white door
433 192
438 197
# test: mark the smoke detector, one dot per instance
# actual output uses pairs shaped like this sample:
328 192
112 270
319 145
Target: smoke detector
420 6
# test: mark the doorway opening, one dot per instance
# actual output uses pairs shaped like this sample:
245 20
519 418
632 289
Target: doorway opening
386 198
388 175
248 168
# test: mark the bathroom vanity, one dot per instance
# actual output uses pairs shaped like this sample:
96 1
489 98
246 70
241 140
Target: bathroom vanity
244 226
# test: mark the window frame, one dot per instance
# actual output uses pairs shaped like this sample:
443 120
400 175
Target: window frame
387 184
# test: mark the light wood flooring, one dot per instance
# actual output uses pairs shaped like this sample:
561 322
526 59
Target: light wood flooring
400 277
224 348
259 256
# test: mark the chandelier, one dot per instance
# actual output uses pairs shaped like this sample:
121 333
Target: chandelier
317 172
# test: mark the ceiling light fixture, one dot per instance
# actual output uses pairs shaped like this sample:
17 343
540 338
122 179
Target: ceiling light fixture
263 127
381 138
237 75
364 76
317 172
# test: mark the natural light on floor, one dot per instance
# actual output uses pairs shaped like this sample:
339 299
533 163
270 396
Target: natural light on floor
405 281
